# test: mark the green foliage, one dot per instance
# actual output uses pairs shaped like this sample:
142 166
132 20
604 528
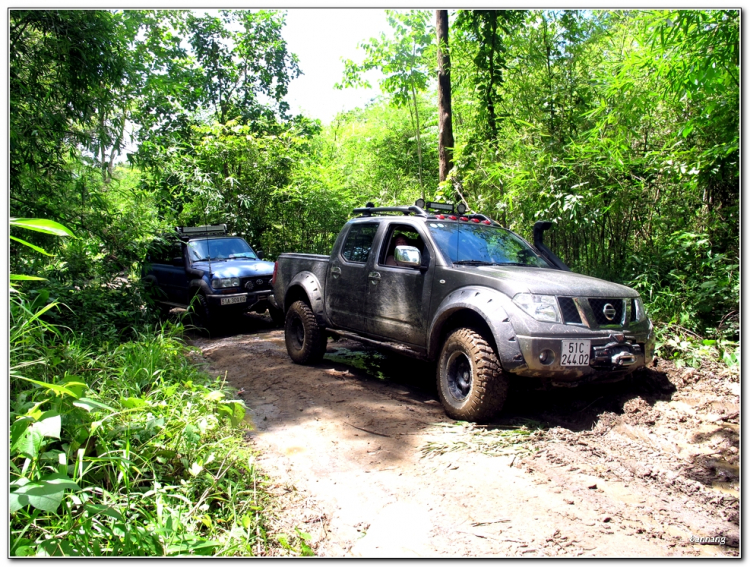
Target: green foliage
685 348
598 132
128 449
406 61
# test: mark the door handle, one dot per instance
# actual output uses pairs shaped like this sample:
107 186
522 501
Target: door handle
335 271
374 275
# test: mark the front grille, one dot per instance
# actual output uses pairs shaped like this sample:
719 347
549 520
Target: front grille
569 310
598 305
256 283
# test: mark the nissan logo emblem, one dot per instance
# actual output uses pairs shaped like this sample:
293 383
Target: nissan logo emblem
609 311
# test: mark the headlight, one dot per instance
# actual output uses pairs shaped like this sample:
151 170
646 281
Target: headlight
540 307
225 282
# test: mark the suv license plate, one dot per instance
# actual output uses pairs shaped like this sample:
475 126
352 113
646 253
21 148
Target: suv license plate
231 300
575 353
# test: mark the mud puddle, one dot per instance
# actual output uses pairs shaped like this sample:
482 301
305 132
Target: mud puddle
372 467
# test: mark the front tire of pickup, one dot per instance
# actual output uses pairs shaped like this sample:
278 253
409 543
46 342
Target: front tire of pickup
305 340
471 383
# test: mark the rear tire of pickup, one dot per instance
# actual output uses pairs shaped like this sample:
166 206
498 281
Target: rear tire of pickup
471 383
305 340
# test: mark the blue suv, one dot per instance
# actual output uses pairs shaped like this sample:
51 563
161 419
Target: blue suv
214 274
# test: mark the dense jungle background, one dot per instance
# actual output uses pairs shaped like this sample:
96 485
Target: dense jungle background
622 127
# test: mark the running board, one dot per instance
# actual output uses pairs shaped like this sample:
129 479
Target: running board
399 348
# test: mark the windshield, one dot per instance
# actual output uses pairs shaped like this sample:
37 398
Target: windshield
220 249
483 245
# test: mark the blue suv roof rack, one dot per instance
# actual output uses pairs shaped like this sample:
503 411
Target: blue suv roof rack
185 232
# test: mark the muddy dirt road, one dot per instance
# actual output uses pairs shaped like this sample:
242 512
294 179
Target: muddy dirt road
369 465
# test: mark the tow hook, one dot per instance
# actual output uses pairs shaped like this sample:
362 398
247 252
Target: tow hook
623 359
615 354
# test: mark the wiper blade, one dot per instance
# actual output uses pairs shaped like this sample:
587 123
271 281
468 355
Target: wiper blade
486 263
209 259
474 263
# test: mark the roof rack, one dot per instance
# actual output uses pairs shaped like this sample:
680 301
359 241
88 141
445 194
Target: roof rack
184 232
369 209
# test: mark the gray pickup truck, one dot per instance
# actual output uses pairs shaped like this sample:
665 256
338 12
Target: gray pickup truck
437 283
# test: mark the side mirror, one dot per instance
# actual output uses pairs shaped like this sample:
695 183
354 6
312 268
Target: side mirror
178 261
259 254
408 256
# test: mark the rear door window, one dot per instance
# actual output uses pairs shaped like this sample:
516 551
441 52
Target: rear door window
358 242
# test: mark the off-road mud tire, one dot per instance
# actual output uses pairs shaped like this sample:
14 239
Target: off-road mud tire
484 395
305 340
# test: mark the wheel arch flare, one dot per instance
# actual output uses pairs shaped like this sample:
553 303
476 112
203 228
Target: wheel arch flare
478 302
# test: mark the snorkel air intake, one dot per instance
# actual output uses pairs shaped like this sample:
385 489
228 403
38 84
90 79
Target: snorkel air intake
539 228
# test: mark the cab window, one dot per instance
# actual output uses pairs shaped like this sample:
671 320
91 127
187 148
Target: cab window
358 242
401 235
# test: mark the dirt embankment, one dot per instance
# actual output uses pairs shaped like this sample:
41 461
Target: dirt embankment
369 465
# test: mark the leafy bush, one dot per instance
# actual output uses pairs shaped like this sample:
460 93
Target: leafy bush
100 311
685 283
124 450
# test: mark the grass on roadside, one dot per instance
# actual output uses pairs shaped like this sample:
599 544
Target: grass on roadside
127 450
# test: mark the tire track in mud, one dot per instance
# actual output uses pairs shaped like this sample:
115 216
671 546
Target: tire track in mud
622 470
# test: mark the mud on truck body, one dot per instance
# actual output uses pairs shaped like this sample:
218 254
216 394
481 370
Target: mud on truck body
464 292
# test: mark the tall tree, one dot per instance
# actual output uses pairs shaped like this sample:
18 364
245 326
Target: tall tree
445 116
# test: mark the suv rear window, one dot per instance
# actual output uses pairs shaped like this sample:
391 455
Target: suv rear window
359 242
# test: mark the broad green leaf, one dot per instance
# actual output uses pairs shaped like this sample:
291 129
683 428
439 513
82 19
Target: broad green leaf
32 246
95 509
42 225
44 494
14 500
18 428
56 388
132 402
21 277
29 444
215 396
90 405
49 427
234 410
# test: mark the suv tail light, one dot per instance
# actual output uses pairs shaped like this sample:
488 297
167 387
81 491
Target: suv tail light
273 277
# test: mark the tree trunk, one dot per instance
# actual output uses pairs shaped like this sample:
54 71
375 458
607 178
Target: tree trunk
419 138
445 115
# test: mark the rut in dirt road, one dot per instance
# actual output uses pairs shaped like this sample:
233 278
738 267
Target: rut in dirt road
374 468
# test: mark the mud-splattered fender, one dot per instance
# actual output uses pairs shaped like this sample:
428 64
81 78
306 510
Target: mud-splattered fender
312 289
489 305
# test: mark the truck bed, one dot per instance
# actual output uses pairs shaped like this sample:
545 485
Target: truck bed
289 264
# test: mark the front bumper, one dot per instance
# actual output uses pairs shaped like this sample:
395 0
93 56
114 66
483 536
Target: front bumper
239 301
612 354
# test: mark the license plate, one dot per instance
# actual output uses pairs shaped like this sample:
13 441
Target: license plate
231 300
575 353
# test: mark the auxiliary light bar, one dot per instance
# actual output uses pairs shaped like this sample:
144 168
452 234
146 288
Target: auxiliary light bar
205 230
447 207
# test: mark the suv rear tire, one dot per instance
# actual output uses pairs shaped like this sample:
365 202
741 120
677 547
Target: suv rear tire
470 380
305 340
